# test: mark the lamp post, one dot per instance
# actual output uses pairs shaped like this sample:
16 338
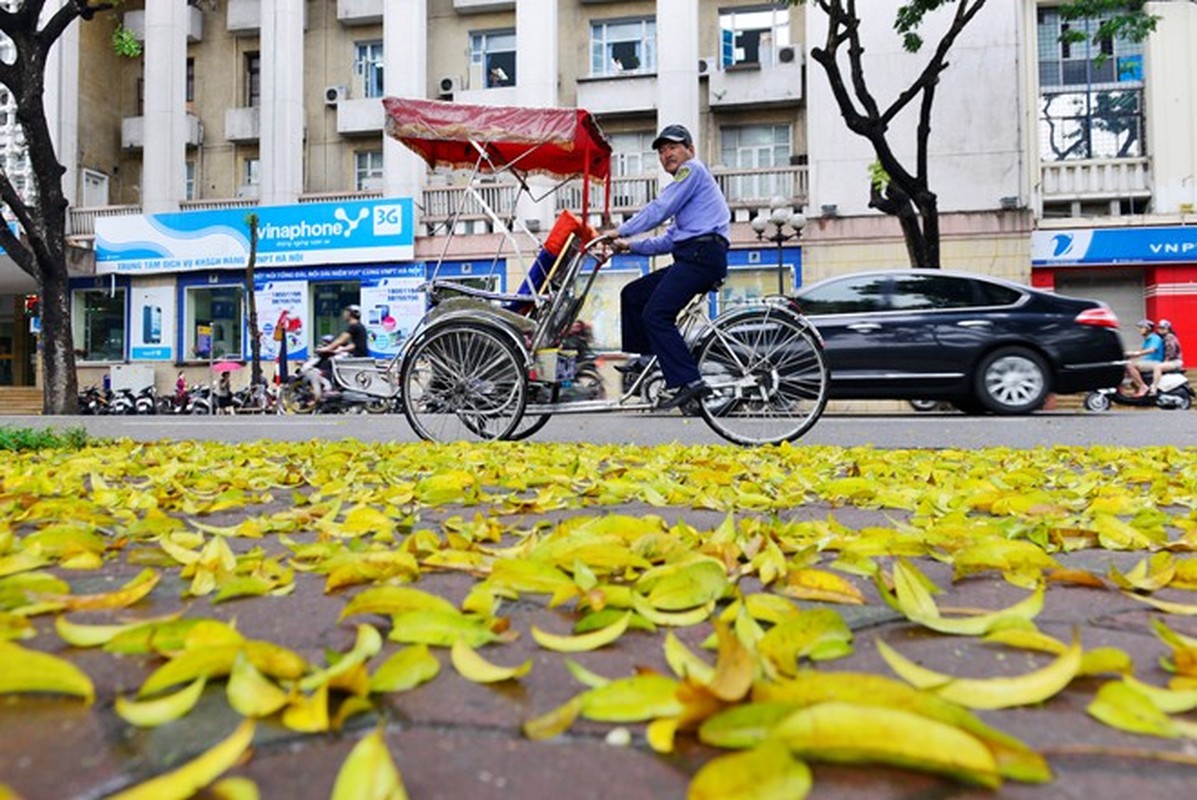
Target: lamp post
786 224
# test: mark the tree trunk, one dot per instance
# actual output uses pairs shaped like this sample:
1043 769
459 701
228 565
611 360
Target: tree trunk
255 335
59 383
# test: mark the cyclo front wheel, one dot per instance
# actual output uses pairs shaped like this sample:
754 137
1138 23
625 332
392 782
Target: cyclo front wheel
768 376
463 382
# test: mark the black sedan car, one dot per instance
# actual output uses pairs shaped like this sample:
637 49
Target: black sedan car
983 344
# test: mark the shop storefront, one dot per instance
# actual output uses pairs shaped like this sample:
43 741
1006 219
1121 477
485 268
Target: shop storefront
1139 272
171 290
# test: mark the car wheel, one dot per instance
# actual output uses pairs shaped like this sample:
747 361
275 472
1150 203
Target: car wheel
1097 402
924 405
1012 380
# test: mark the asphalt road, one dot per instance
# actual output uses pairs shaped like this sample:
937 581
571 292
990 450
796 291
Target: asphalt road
1137 428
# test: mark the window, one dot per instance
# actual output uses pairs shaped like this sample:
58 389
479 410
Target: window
753 35
623 47
757 147
253 79
492 58
367 66
367 170
98 318
191 80
253 172
189 185
213 322
1090 94
848 296
141 97
95 188
633 157
923 292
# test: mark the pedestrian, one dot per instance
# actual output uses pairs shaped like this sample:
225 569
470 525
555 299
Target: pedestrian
1145 358
698 241
1173 358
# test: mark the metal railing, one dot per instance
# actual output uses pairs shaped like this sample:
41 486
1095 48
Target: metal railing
217 204
81 222
339 197
743 188
1096 178
442 202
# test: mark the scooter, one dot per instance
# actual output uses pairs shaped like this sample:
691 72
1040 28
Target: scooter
297 396
1175 392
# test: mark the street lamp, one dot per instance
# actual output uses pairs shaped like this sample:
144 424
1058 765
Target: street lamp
787 224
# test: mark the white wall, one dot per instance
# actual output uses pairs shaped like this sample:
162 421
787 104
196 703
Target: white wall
1171 106
976 151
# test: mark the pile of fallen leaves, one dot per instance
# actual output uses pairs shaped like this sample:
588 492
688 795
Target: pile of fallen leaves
534 523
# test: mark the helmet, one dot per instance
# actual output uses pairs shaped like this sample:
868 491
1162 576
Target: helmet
1165 324
354 311
327 338
1145 323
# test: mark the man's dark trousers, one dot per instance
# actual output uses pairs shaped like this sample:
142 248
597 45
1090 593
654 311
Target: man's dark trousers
649 306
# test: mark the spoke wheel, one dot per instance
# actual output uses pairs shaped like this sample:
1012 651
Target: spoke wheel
768 377
531 424
464 382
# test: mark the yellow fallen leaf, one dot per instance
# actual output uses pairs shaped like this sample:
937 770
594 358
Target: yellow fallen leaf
1149 575
405 669
768 772
127 595
671 619
584 676
366 645
849 734
78 634
15 626
308 713
555 722
390 600
206 662
27 671
634 699
160 710
735 667
819 634
677 587
369 773
477 669
660 734
237 788
1121 706
1167 606
252 694
684 662
440 629
991 693
820 585
583 642
1170 701
353 569
183 782
919 606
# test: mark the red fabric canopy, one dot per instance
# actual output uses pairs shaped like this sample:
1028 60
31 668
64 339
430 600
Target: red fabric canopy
562 142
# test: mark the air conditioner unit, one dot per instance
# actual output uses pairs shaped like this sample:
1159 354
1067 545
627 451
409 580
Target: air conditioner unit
448 85
707 65
335 94
787 54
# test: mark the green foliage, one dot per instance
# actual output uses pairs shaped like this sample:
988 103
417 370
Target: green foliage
878 177
20 439
1120 19
125 43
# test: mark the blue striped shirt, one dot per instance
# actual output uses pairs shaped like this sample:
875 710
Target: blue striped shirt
692 200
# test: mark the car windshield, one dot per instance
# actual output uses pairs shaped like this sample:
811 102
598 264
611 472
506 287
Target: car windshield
847 296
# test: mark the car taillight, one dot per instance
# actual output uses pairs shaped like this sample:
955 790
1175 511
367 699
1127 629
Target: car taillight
1100 317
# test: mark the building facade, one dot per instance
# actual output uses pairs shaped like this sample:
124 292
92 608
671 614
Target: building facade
237 105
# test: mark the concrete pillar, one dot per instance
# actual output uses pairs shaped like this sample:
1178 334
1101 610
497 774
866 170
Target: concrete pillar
536 82
282 131
164 154
677 67
62 102
405 74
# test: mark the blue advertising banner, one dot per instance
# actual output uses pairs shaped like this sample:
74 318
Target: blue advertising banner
288 236
1114 246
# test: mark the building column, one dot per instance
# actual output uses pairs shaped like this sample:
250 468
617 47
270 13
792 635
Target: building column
405 74
677 67
62 102
164 154
282 130
536 83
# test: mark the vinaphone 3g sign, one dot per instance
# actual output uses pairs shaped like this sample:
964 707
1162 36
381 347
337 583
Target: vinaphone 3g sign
306 234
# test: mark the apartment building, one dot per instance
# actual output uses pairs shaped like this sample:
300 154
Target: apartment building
1072 167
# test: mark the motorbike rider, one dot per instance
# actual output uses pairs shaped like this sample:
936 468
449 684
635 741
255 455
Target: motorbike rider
351 341
1173 359
1146 358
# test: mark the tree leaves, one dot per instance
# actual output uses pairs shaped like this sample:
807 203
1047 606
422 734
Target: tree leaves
183 782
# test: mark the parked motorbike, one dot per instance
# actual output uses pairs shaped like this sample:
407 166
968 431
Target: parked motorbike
1175 392
123 402
94 401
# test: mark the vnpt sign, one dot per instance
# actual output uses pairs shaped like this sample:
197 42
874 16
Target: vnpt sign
1114 246
298 235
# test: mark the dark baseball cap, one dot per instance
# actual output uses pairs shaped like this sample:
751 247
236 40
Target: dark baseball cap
673 133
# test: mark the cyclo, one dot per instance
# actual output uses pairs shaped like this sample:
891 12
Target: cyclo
488 365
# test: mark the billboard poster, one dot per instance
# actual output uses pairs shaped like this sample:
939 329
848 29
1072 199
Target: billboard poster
392 306
273 298
304 234
152 323
1113 246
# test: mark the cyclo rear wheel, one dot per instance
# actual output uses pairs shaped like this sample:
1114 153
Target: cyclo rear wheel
464 381
768 376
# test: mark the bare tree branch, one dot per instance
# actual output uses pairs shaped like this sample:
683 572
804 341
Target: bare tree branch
63 17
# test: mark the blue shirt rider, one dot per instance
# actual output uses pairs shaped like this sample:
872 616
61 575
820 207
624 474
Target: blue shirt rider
697 238
1145 358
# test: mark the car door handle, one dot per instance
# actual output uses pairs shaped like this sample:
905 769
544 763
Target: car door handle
864 327
974 323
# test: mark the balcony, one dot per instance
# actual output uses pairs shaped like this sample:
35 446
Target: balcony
362 117
135 22
359 12
81 222
441 205
746 190
497 96
753 85
1096 179
481 6
623 94
244 17
243 124
133 132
